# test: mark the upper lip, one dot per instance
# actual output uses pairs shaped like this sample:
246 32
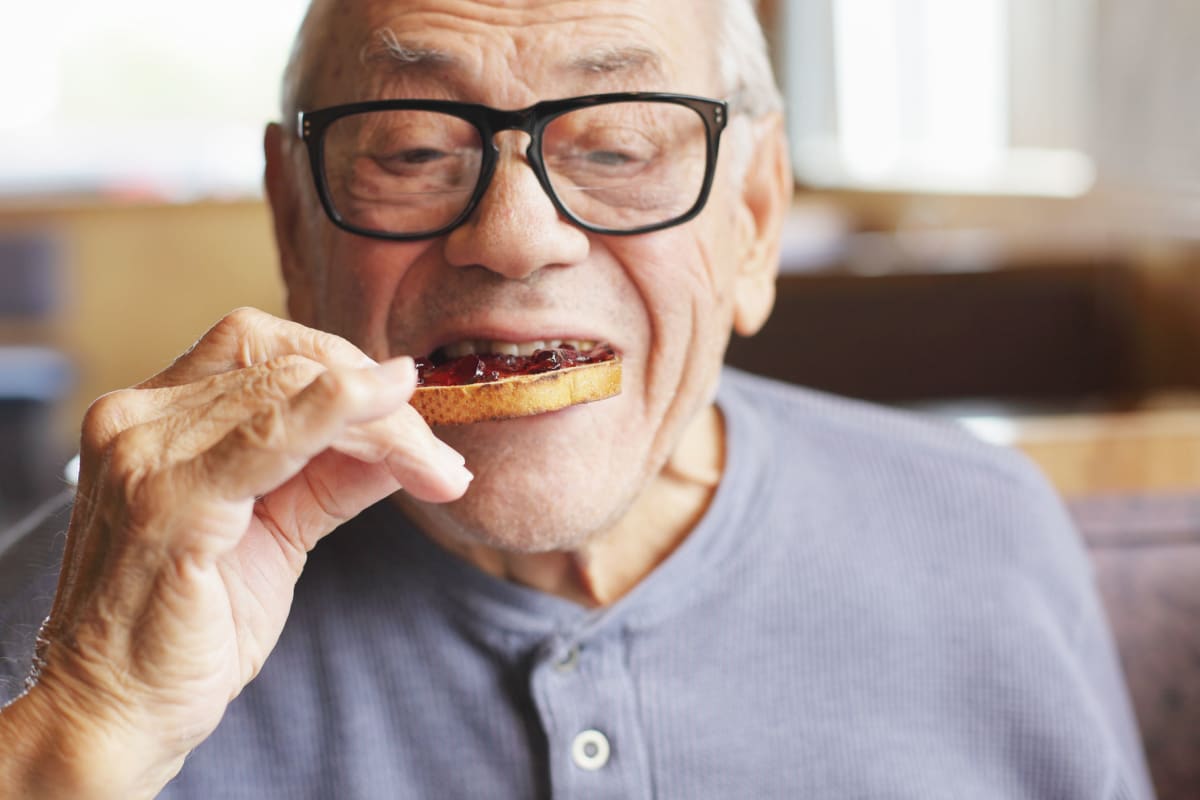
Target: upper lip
516 334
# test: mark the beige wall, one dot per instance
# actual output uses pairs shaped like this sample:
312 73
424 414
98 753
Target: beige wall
142 282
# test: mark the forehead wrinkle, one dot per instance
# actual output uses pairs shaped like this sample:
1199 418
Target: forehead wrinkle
438 50
610 64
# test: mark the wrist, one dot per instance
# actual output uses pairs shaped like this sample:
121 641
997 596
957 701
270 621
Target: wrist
52 749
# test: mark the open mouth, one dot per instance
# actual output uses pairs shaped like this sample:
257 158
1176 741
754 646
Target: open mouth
473 361
469 381
492 347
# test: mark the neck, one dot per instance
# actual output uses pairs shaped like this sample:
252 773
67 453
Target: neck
609 565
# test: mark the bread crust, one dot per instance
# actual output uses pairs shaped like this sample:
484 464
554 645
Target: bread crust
518 396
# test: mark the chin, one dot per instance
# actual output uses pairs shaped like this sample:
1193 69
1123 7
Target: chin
542 483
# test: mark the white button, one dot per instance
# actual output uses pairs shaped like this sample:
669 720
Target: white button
590 750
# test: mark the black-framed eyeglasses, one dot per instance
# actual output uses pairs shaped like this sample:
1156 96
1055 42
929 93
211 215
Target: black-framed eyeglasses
622 163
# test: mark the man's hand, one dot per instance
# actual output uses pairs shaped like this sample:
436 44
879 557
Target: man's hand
201 492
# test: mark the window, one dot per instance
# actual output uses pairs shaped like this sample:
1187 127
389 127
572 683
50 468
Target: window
139 97
957 96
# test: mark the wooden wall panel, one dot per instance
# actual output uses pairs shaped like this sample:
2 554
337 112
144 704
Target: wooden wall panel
142 282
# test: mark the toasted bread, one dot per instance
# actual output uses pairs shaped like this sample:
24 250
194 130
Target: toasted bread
518 396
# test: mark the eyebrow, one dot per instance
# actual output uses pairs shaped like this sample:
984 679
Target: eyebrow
385 46
609 61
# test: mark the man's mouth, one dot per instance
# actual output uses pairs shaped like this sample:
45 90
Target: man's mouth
495 347
466 362
485 385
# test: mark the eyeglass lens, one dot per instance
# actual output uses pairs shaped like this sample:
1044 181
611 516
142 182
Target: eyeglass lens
618 166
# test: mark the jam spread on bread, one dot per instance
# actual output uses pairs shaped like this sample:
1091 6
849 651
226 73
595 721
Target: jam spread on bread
484 368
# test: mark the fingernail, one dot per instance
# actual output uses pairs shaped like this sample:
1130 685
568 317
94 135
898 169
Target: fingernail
452 465
396 370
449 455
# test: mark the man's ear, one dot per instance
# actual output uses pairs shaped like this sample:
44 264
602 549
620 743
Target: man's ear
766 198
283 195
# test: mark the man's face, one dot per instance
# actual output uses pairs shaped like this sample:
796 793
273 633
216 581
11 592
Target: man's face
516 271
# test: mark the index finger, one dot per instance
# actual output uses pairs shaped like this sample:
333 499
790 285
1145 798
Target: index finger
249 336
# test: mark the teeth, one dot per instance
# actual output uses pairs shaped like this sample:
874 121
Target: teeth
467 347
505 348
529 348
459 349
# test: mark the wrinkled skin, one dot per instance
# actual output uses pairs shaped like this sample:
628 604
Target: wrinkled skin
201 492
517 271
203 489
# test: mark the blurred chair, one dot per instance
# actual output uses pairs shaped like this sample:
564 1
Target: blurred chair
1145 549
1132 483
1051 335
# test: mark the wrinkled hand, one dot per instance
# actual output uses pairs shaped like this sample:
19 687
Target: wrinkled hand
201 491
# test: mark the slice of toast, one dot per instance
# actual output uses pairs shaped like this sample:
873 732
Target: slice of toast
518 396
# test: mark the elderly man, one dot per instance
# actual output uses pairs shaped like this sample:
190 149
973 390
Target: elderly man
708 586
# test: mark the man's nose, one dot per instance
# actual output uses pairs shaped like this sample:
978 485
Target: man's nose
515 230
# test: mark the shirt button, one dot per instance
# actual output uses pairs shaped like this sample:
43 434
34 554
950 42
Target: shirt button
590 750
568 662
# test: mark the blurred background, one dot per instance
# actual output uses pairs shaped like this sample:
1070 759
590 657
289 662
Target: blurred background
131 215
997 220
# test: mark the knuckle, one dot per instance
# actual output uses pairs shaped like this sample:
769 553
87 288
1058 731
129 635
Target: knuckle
235 328
291 361
338 390
241 319
289 373
232 326
128 455
319 342
331 347
106 417
268 428
280 378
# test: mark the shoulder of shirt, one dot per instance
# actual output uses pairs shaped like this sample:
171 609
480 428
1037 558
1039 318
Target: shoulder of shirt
904 470
899 473
798 416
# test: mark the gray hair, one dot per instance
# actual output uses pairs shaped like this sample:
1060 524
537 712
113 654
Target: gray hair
742 60
744 68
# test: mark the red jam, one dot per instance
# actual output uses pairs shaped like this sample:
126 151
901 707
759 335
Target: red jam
479 368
